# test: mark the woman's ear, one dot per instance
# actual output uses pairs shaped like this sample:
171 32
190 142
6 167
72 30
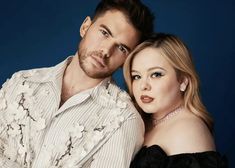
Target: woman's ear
184 84
85 26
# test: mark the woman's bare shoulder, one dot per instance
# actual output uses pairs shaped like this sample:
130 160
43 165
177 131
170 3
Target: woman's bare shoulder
188 134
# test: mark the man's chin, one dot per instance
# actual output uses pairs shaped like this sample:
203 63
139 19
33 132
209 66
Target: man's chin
97 75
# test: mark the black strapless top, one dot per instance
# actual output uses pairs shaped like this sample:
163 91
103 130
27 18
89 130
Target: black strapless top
155 157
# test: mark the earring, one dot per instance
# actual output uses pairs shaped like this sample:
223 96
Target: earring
182 88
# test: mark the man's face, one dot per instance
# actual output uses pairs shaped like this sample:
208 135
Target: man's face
106 43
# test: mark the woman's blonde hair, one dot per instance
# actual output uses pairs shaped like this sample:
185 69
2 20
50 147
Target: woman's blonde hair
178 55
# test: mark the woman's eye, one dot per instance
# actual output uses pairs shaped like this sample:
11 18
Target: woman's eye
135 77
156 74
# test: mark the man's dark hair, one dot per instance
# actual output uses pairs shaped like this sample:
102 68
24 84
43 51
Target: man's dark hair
136 12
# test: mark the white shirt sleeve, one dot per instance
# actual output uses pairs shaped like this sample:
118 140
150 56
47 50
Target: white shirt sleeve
5 162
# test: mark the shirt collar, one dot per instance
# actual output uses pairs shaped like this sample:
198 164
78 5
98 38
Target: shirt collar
55 75
48 74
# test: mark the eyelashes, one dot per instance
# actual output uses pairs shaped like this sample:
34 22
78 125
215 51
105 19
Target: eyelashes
156 74
152 75
104 33
135 77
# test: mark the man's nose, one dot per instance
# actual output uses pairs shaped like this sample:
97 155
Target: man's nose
107 49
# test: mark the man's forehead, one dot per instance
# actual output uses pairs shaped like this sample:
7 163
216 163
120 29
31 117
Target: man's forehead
120 27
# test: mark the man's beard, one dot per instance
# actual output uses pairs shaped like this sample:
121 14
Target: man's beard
91 70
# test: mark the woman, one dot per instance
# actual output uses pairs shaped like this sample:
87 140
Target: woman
162 80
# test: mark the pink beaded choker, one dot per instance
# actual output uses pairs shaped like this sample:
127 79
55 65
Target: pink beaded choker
167 116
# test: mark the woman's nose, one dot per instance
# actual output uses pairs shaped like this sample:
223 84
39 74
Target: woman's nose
145 85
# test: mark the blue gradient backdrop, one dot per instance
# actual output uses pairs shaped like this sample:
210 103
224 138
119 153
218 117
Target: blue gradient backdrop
41 33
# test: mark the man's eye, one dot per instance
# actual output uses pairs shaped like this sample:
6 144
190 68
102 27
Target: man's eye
122 49
156 74
105 33
135 77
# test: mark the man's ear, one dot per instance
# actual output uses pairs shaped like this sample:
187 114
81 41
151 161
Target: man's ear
184 84
85 26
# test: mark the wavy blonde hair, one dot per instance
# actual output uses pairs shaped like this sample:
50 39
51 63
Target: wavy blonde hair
178 55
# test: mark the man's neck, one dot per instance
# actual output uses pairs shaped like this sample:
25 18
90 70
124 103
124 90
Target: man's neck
75 80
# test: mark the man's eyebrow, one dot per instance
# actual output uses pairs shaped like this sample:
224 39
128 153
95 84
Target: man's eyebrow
109 31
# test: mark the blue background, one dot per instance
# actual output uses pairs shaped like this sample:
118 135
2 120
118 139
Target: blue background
42 33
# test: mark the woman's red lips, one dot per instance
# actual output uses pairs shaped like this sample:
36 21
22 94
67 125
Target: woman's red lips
146 99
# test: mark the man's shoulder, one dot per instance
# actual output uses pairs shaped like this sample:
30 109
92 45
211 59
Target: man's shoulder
20 77
41 72
34 71
31 73
123 100
119 94
122 94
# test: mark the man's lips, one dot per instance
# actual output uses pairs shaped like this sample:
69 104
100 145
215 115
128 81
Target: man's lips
146 99
99 61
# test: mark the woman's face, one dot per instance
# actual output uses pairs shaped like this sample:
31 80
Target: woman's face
154 82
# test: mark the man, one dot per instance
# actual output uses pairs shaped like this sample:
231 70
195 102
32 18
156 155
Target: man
73 115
